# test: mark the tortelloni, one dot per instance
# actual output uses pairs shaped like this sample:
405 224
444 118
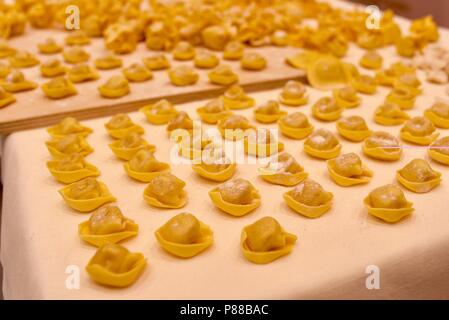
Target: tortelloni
71 168
253 61
326 72
6 50
16 82
183 76
326 109
236 197
235 98
404 97
390 114
346 97
309 199
107 225
283 170
353 128
180 126
127 147
364 84
388 203
269 112
409 81
68 125
382 146
23 59
223 75
234 127
184 236
439 150
388 77
214 165
265 241
438 113
143 166
166 191
86 195
108 62
49 46
137 73
192 147
113 265
183 51
75 55
348 170
371 60
59 88
121 125
234 50
418 176
77 38
6 98
52 68
213 111
295 125
116 87
206 60
82 72
262 143
294 94
67 145
160 112
419 130
322 144
157 62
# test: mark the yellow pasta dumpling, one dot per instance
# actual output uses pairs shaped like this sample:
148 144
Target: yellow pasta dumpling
121 125
283 170
326 73
235 98
390 114
214 165
348 170
77 38
184 236
52 68
418 176
253 61
160 112
59 88
137 73
304 59
180 121
353 128
234 127
269 112
68 125
6 50
113 265
233 51
71 168
86 195
265 241
6 98
404 97
408 81
425 28
107 225
16 82
68 144
206 60
438 113
364 84
213 111
223 75
383 146
183 51
322 144
143 166
309 199
75 55
108 61
388 203
116 87
262 143
192 147
294 94
371 60
406 46
279 38
439 150
127 147
157 62
236 197
326 109
23 59
183 76
82 72
166 191
346 97
215 37
295 125
49 46
419 130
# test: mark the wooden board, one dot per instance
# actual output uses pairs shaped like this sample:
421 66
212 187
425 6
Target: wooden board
33 109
